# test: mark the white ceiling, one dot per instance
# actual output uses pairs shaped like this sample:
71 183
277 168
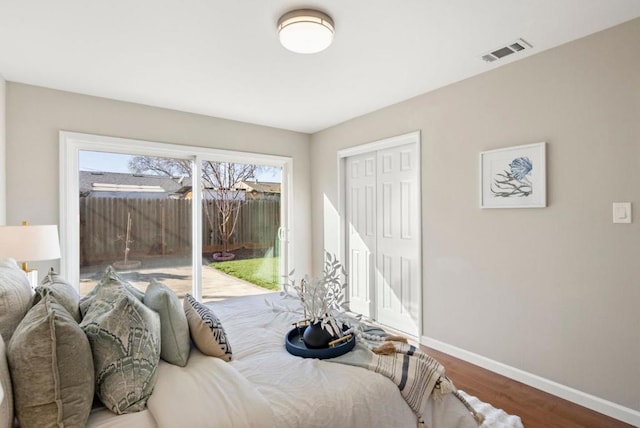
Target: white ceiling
222 57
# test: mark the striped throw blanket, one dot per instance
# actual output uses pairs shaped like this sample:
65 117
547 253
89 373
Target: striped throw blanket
417 375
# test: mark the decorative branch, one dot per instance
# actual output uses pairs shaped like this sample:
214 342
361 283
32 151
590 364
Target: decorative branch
322 298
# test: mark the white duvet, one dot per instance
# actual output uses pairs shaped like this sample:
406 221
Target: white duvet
208 392
265 386
310 393
306 392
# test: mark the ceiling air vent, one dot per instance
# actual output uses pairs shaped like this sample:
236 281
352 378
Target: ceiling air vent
517 46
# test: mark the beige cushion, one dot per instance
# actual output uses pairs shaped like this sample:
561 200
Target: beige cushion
16 297
174 329
125 340
6 406
51 368
206 330
63 292
110 278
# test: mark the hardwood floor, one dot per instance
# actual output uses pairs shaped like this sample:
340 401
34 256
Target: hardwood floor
535 408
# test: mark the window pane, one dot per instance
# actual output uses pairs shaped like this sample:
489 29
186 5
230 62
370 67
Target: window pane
135 216
241 219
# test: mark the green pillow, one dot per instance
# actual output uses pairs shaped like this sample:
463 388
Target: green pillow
125 339
51 368
110 278
16 297
62 291
174 329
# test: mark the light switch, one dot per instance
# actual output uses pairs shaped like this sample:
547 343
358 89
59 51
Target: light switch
622 212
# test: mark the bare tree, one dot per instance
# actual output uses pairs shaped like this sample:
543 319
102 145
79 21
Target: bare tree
220 182
160 166
223 179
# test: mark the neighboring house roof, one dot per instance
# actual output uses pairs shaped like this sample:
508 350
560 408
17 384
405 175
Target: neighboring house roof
263 188
259 186
117 184
113 184
208 193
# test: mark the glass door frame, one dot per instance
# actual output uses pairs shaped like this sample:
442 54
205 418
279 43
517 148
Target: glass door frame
71 143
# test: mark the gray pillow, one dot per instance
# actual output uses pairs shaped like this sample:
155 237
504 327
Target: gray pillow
125 339
16 297
174 329
206 330
6 406
51 368
110 278
61 290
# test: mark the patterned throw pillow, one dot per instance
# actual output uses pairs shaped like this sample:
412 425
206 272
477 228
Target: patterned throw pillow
16 297
125 339
206 329
174 329
110 278
51 368
62 291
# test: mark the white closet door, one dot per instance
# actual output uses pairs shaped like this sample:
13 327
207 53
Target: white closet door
361 231
398 238
383 241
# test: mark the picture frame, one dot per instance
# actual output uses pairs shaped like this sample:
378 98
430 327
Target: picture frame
514 177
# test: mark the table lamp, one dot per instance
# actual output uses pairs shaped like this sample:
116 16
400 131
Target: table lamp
29 243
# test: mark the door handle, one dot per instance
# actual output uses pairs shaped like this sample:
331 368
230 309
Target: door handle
282 233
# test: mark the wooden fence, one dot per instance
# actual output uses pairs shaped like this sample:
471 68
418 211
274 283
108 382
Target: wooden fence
163 227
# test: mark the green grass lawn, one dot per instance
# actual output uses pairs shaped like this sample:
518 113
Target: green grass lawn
261 272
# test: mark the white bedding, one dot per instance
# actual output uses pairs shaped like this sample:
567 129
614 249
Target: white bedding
313 393
209 392
266 387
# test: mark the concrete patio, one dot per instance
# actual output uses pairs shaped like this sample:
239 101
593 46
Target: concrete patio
216 285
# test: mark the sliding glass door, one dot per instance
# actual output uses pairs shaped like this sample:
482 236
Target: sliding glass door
203 221
240 227
134 216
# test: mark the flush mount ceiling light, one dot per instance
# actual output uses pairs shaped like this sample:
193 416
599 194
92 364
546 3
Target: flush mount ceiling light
305 31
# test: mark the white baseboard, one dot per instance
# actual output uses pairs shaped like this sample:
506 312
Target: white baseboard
592 402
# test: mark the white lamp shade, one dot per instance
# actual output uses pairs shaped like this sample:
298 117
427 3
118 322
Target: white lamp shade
305 31
29 243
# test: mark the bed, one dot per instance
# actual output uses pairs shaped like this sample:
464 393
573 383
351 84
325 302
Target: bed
309 392
265 386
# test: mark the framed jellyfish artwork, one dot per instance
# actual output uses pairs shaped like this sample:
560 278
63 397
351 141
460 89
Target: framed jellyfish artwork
513 177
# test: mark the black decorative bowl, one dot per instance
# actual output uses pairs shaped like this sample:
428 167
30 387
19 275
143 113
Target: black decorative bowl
296 346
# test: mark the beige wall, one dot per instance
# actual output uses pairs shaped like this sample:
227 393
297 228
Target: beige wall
3 175
553 291
35 115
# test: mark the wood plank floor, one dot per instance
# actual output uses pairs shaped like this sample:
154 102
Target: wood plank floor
535 408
